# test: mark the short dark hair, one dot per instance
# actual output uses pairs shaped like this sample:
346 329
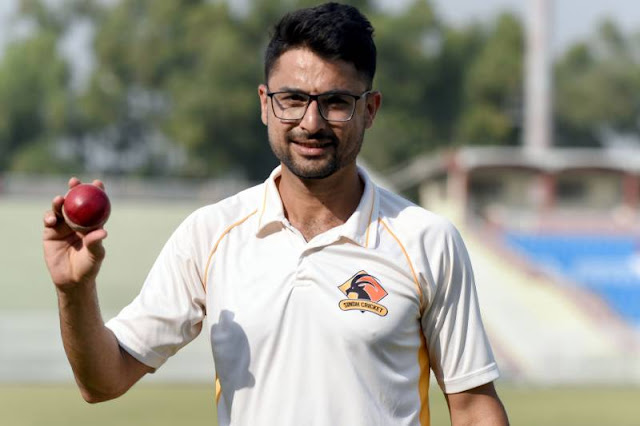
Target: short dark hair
333 31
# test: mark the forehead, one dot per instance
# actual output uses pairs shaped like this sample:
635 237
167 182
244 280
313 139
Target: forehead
304 70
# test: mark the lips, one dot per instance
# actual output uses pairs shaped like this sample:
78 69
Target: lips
313 144
312 148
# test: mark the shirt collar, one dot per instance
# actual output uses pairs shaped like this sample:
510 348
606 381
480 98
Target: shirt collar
361 227
271 210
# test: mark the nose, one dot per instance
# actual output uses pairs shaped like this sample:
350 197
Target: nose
312 120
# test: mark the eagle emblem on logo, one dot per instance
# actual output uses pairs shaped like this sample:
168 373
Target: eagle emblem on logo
363 292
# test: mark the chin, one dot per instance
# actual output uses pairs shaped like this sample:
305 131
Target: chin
312 172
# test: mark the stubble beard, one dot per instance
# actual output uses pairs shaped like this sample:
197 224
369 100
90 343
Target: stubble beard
319 168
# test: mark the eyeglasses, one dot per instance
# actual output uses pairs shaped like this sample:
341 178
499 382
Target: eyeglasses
333 106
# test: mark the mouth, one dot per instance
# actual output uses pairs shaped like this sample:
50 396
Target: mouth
313 148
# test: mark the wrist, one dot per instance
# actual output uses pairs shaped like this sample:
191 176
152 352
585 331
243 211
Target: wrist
76 291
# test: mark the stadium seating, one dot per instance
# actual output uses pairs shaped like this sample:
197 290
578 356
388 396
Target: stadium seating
608 265
544 329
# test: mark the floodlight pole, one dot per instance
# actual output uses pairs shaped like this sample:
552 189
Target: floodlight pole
538 77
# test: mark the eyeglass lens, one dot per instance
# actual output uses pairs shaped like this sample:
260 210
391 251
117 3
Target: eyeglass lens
333 106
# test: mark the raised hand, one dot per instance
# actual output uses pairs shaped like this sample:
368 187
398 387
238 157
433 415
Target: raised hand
73 258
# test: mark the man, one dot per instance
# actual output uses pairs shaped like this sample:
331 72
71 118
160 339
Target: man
329 299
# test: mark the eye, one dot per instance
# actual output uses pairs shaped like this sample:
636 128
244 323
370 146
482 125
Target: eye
337 100
293 97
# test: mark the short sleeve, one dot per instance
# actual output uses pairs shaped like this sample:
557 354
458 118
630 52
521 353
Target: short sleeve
459 351
169 311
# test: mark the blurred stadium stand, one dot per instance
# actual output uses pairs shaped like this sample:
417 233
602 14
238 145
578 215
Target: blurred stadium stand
554 237
127 187
608 265
142 189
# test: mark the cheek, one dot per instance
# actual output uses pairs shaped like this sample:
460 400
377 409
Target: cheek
353 132
276 131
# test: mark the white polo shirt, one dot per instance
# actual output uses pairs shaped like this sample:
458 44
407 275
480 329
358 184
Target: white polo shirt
340 330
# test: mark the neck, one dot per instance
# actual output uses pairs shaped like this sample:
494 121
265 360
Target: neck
314 206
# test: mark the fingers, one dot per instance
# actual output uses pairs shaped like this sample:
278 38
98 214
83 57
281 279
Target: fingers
74 181
53 217
50 219
98 183
56 204
93 242
54 220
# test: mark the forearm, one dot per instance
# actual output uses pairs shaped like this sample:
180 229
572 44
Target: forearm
480 406
102 370
99 366
488 418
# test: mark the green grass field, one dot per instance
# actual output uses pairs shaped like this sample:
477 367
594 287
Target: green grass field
136 235
164 405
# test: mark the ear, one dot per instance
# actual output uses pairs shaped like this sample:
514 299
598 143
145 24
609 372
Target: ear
264 103
374 100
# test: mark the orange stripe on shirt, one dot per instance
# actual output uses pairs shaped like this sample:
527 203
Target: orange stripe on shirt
423 382
215 247
423 353
218 390
406 255
373 203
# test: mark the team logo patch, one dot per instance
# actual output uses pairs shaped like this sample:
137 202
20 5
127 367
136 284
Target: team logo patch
363 293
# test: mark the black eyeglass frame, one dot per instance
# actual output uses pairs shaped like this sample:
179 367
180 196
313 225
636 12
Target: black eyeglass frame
315 98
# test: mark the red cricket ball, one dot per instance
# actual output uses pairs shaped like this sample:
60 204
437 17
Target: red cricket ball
86 207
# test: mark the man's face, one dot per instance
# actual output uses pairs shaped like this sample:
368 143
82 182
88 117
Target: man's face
312 147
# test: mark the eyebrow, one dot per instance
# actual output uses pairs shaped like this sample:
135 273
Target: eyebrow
290 89
329 92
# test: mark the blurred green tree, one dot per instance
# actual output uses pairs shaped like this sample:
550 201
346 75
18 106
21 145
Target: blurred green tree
177 79
33 101
409 76
444 85
183 76
41 126
173 87
598 89
493 87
